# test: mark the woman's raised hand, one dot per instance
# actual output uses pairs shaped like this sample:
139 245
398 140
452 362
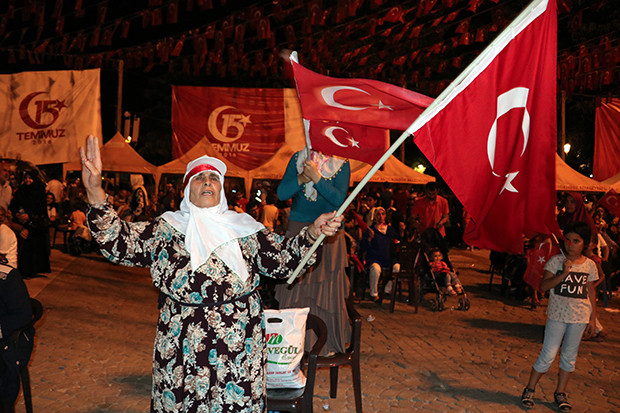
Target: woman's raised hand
311 171
91 170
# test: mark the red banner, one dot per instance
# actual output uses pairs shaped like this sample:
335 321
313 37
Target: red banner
246 126
607 140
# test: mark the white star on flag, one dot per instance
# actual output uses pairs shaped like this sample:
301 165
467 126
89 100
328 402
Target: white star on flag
382 105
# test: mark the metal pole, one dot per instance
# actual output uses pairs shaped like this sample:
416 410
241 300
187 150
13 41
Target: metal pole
563 123
119 96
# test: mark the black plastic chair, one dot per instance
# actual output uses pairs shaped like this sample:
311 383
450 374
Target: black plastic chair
37 313
408 259
498 261
350 357
300 400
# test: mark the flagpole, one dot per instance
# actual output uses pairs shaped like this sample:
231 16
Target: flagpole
460 82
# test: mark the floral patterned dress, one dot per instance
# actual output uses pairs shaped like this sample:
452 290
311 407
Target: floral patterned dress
209 353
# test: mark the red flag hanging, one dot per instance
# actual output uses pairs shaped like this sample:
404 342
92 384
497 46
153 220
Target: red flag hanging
493 137
607 139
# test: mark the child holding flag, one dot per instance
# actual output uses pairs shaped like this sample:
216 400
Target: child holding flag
570 278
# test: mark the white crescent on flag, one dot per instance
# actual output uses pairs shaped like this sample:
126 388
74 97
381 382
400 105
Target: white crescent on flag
513 99
329 132
328 96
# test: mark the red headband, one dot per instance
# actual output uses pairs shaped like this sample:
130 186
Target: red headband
197 170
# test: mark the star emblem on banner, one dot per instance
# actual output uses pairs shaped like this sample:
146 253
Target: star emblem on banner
245 119
60 104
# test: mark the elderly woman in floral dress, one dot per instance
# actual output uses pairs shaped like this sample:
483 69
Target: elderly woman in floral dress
206 261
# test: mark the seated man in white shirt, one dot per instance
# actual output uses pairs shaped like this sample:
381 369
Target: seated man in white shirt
8 241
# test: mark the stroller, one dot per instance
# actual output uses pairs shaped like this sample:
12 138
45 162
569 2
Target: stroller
431 238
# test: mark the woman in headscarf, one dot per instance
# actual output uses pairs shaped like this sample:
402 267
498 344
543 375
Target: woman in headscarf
575 211
31 223
139 202
318 183
206 260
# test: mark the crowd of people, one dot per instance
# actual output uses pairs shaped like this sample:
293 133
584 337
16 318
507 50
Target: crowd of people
381 218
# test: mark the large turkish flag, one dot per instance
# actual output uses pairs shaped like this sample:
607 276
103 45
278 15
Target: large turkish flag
493 137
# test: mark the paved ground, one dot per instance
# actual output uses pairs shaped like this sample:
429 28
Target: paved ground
94 346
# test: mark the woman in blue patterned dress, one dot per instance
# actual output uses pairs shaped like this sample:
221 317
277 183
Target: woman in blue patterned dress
206 261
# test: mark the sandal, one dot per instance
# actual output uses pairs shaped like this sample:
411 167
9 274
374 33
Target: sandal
527 398
562 401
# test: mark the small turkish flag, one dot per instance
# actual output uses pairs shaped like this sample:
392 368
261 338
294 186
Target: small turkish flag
493 137
349 140
538 258
611 201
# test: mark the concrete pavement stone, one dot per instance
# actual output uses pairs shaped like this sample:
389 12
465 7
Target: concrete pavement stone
94 343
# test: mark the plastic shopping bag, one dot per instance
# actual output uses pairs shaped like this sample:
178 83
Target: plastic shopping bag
285 335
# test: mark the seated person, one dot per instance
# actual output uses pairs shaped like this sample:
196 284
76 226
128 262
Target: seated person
376 242
446 279
15 312
52 211
8 241
80 237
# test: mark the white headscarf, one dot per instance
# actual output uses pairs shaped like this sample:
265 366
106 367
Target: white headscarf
214 229
137 181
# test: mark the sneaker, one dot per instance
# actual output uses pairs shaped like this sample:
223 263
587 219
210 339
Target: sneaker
527 398
450 290
562 401
458 288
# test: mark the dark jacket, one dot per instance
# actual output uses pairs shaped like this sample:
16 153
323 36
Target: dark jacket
15 312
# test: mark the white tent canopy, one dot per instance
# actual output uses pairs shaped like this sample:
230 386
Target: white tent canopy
567 179
393 170
117 156
614 182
